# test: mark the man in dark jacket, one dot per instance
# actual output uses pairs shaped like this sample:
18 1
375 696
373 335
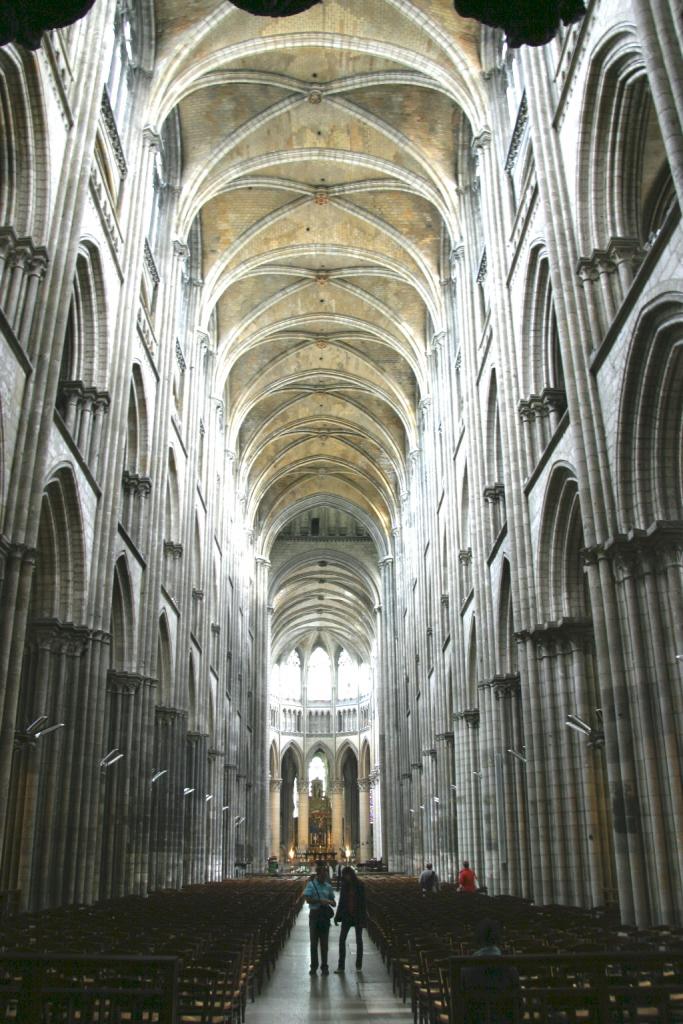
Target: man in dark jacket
350 914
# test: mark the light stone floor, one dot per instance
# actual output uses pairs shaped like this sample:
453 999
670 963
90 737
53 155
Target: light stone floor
292 996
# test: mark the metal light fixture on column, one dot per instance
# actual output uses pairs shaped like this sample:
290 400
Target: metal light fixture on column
34 731
111 758
578 725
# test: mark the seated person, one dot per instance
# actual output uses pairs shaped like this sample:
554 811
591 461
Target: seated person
490 993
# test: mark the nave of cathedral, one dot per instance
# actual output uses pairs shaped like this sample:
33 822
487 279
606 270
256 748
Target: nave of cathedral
341 421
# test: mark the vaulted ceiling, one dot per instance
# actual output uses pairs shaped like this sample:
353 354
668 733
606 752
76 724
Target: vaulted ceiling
319 152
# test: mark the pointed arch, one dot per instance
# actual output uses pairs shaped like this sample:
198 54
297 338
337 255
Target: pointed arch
24 157
273 761
294 751
192 693
172 504
494 446
319 674
620 141
59 580
561 583
364 761
472 666
507 648
137 436
346 750
122 650
650 435
165 662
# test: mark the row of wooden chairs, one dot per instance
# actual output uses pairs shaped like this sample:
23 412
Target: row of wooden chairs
224 937
422 940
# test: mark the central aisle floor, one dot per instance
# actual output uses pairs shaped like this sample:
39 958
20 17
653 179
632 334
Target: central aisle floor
293 995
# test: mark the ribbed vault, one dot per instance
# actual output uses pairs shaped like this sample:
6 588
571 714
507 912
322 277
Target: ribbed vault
320 159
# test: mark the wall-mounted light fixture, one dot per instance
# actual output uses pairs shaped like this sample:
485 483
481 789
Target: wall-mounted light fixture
111 758
34 731
578 725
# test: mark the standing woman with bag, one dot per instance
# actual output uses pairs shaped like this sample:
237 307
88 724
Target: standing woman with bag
351 913
319 895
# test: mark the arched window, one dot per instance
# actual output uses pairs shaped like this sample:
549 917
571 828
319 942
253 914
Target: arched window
317 769
364 679
123 60
290 678
319 676
347 677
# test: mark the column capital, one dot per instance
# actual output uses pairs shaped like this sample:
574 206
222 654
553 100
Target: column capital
151 137
439 340
482 139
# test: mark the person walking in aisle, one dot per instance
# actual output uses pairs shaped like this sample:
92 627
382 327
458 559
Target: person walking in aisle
319 895
467 880
429 881
350 914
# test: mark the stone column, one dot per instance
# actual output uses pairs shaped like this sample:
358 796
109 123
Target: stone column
303 815
337 799
259 827
364 819
392 842
275 787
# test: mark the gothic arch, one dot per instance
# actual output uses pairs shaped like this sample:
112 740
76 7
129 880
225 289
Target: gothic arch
464 521
192 693
542 368
165 662
172 508
620 141
323 750
59 580
561 584
24 159
346 749
494 447
507 649
273 761
364 762
294 751
472 666
650 465
85 349
122 617
137 437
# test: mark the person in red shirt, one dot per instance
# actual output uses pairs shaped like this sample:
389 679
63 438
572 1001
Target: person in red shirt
467 880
